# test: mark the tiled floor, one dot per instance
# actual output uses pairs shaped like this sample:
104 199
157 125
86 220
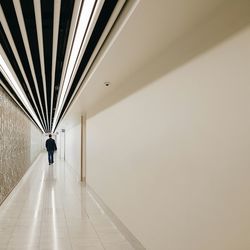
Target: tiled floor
51 210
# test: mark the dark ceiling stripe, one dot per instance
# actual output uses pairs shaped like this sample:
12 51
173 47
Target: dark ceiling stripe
17 100
84 35
7 48
47 9
66 13
101 23
47 15
11 18
82 42
30 24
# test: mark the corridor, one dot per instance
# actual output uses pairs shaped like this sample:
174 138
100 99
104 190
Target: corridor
148 103
49 209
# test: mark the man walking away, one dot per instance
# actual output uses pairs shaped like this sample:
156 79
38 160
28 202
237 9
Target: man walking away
51 147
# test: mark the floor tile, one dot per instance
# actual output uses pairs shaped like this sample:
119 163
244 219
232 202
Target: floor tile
118 246
50 210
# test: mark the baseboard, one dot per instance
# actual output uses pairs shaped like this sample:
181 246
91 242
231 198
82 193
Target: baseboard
123 229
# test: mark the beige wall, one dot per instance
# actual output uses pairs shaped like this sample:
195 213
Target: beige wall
73 147
172 160
36 142
20 143
84 135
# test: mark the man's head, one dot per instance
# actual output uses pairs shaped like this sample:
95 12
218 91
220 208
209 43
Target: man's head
50 135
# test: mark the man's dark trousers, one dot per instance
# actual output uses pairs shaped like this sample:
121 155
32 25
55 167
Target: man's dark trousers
50 156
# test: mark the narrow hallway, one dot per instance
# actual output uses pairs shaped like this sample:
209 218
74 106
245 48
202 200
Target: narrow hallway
50 209
148 103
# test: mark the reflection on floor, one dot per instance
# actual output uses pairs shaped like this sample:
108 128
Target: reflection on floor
51 210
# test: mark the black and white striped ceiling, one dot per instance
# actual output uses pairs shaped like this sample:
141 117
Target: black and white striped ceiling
47 48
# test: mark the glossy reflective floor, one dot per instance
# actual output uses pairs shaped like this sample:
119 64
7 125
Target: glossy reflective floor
50 209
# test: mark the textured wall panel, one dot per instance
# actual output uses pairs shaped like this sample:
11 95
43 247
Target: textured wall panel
16 153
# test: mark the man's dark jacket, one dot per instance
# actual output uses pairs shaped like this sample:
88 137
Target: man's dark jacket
51 145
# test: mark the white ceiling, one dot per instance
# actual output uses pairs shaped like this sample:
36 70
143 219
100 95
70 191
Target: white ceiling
144 31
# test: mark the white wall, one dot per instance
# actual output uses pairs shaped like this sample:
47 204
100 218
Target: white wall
73 148
84 135
172 160
36 142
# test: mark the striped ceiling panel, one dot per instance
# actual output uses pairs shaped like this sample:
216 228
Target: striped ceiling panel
47 47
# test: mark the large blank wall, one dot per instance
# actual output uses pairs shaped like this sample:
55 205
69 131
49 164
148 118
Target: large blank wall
172 160
73 148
